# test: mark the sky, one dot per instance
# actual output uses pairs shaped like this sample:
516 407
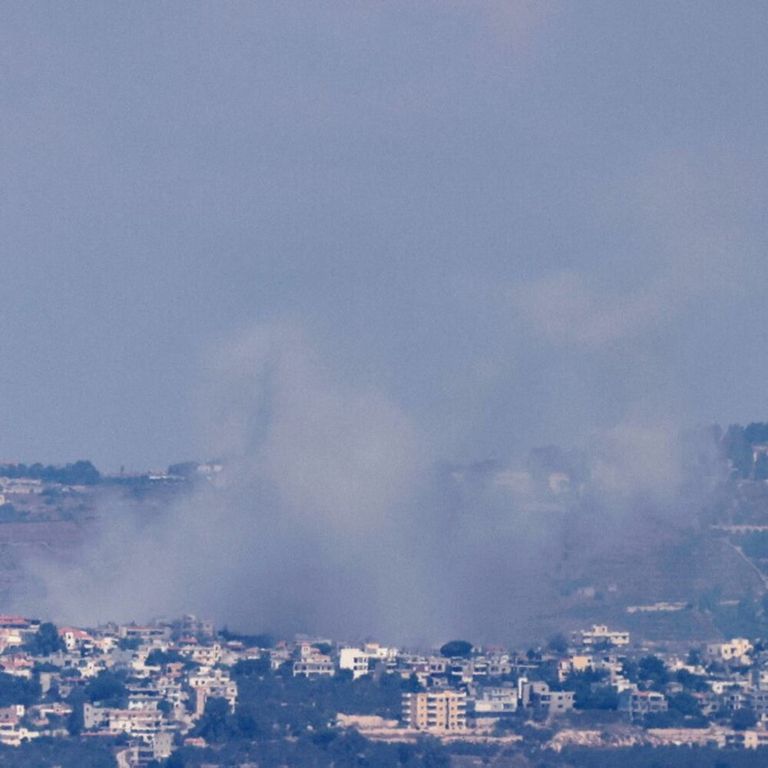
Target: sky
503 224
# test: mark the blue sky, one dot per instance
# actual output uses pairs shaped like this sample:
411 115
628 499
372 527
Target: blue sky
520 222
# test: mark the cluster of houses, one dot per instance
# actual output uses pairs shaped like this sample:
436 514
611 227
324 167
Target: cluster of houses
466 695
172 669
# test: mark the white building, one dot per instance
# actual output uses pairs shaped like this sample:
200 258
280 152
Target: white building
735 649
314 666
495 702
601 635
355 660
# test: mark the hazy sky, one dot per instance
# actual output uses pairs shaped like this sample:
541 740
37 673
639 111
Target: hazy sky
519 221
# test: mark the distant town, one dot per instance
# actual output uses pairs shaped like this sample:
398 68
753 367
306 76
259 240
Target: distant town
176 692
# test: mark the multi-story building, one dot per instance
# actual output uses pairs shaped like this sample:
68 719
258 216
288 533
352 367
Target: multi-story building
355 660
314 666
144 634
435 710
736 649
494 702
536 694
639 703
601 635
212 684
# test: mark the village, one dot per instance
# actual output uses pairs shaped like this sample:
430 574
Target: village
151 690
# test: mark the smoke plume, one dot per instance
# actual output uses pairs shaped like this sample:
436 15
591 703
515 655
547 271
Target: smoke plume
335 514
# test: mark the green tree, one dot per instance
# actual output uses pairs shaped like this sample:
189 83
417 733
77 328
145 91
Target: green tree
45 641
558 644
17 690
75 721
106 688
252 667
213 725
652 670
456 648
743 719
157 658
685 704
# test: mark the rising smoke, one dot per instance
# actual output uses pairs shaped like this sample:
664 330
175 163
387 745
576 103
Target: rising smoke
336 514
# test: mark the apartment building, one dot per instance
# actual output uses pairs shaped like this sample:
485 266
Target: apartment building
639 703
599 634
435 710
355 660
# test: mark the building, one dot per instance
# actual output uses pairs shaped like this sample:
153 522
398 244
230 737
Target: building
314 666
574 664
74 638
736 649
553 702
355 660
212 684
751 739
144 634
637 704
601 635
15 631
495 702
435 710
536 694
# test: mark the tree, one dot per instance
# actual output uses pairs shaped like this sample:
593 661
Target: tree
17 690
558 644
45 641
106 688
691 682
456 648
79 473
157 658
76 721
213 725
651 669
685 704
743 719
252 667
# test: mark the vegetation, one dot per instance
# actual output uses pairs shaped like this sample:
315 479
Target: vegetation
79 473
158 658
282 720
46 752
456 648
107 689
45 641
591 691
17 690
